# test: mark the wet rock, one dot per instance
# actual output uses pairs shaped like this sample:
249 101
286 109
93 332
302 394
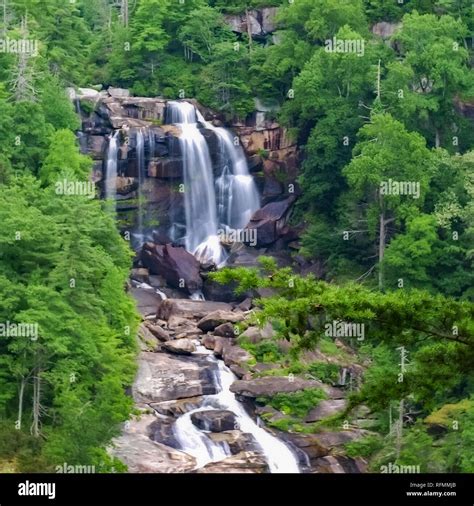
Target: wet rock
215 291
216 420
225 330
180 346
211 321
165 377
243 462
178 407
236 440
188 308
142 455
176 265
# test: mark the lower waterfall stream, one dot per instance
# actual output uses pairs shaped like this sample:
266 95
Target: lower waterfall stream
195 442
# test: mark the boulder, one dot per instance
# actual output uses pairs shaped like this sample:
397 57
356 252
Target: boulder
235 356
146 300
147 340
176 408
270 220
176 265
211 321
225 330
165 377
157 331
214 420
209 342
236 440
142 455
245 305
269 385
180 346
141 275
243 462
188 308
326 408
256 334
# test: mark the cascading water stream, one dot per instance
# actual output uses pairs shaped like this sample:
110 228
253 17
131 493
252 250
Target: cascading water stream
210 206
237 195
195 442
111 168
140 147
199 195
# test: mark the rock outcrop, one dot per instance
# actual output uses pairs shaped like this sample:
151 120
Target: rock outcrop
176 265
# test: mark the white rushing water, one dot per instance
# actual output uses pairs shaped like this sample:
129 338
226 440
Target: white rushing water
199 195
195 442
111 168
140 150
237 195
211 206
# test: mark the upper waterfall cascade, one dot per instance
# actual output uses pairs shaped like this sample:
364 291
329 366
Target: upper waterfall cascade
211 206
216 201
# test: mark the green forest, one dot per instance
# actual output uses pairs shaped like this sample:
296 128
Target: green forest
398 261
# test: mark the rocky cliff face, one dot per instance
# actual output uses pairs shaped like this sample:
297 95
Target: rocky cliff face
272 157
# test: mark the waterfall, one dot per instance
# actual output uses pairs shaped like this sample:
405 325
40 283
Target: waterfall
279 457
237 194
199 195
227 203
140 150
111 168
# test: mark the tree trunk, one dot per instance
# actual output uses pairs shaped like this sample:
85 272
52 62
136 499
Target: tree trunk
437 139
20 401
36 403
381 248
400 430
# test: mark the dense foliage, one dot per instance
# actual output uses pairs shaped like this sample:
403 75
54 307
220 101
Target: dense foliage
63 265
398 263
435 334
